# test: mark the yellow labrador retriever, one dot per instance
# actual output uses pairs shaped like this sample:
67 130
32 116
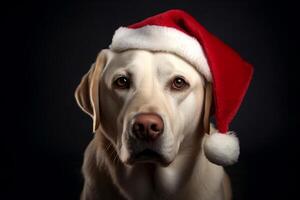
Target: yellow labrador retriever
149 113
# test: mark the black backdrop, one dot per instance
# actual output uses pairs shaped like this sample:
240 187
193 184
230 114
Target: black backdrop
48 46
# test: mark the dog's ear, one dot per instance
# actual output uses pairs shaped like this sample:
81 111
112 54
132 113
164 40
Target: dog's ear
87 92
207 107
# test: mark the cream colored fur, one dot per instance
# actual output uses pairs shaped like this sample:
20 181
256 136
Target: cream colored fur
189 174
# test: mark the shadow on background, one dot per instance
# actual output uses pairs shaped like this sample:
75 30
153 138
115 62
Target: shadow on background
48 46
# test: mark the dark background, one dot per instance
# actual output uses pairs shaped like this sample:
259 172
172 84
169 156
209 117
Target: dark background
48 46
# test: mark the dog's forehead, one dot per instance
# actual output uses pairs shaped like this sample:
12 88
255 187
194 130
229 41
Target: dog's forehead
131 58
163 63
168 63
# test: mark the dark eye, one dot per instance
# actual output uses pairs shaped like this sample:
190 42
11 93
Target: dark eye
122 83
179 83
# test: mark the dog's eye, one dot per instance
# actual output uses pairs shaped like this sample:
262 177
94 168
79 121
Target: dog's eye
122 83
179 83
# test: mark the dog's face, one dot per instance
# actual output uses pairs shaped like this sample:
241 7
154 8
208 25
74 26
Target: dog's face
145 103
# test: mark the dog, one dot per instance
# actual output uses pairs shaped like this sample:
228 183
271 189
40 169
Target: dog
150 114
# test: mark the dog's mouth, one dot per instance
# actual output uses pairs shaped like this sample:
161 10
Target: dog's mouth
147 156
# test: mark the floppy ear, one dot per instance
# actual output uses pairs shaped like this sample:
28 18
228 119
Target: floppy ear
87 92
207 107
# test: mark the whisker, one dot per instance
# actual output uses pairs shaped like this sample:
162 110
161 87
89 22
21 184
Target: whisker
107 147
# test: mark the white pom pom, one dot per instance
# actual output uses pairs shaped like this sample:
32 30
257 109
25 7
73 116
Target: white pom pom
222 149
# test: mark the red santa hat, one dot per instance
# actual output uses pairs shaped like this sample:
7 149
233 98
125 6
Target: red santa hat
177 32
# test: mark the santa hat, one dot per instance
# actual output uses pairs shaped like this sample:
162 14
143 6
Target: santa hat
177 32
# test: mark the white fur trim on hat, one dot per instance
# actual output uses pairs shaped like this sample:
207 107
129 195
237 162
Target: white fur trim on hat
161 38
222 149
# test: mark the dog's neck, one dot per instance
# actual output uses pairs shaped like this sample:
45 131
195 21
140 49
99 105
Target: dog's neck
189 173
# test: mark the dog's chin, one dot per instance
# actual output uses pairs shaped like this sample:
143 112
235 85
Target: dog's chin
148 156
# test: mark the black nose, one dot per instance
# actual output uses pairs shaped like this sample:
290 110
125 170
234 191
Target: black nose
147 126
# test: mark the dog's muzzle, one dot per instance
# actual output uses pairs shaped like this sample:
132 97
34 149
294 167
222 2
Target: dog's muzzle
145 132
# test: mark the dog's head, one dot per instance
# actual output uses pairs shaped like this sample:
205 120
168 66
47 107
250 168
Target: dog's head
145 103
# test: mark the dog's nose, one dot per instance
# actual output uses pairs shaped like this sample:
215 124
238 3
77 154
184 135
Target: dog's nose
147 126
